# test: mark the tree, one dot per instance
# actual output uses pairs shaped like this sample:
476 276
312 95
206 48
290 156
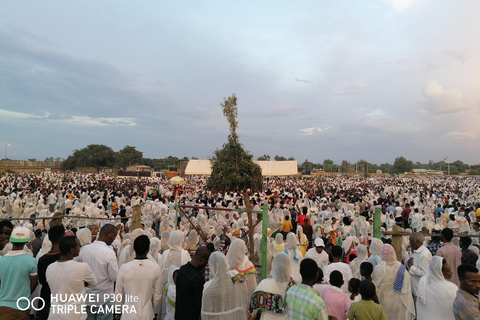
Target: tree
328 165
128 156
362 165
306 165
93 155
265 157
386 168
233 168
280 158
402 165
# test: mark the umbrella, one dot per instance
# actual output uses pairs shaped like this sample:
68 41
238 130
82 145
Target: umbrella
177 180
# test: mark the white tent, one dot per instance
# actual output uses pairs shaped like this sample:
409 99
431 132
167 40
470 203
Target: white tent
269 168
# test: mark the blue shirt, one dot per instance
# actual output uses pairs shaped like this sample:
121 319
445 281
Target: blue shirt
16 267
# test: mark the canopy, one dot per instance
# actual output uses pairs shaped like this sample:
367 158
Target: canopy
269 168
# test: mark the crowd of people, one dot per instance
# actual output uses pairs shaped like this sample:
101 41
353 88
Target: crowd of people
65 236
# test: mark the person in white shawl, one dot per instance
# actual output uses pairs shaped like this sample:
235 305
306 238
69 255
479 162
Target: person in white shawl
128 254
84 235
155 246
174 256
278 245
225 295
238 261
170 293
374 250
435 295
268 300
295 256
362 256
393 286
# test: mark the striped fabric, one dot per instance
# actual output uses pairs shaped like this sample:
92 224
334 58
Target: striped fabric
398 285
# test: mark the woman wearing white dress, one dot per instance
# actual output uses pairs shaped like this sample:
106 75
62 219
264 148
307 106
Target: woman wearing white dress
435 294
238 261
268 300
393 286
224 295
295 256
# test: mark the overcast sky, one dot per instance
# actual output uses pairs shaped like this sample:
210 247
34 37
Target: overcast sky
317 79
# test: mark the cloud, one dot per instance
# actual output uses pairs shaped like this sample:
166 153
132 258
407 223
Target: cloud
400 5
304 81
13 115
459 134
310 131
461 56
99 122
351 88
78 120
441 101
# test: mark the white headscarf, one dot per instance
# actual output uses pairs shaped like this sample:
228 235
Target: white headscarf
362 256
435 294
176 240
281 268
155 246
84 235
223 298
236 254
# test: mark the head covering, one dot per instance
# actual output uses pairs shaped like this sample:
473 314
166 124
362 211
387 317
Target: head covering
362 256
221 296
319 242
176 240
281 268
387 253
236 254
155 246
375 246
20 235
292 241
299 230
434 276
279 238
84 235
164 236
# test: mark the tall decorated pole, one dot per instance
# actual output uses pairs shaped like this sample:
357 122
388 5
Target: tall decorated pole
233 169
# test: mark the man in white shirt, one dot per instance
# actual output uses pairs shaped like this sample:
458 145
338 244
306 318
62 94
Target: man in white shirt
318 254
68 277
419 260
103 261
140 279
337 264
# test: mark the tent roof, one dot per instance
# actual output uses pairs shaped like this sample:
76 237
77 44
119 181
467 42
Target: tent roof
269 168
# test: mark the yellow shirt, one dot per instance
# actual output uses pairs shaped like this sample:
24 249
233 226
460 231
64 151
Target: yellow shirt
286 226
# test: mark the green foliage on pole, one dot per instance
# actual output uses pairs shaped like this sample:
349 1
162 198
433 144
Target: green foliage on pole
232 167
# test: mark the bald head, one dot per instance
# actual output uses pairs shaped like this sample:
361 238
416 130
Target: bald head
108 228
108 233
416 240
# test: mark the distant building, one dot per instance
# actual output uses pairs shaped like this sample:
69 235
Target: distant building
137 167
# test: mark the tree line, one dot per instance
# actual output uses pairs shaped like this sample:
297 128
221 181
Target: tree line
102 156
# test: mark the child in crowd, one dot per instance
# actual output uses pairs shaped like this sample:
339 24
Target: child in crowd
366 270
170 292
94 229
366 309
320 285
353 286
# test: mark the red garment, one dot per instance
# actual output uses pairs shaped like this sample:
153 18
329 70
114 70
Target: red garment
301 218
